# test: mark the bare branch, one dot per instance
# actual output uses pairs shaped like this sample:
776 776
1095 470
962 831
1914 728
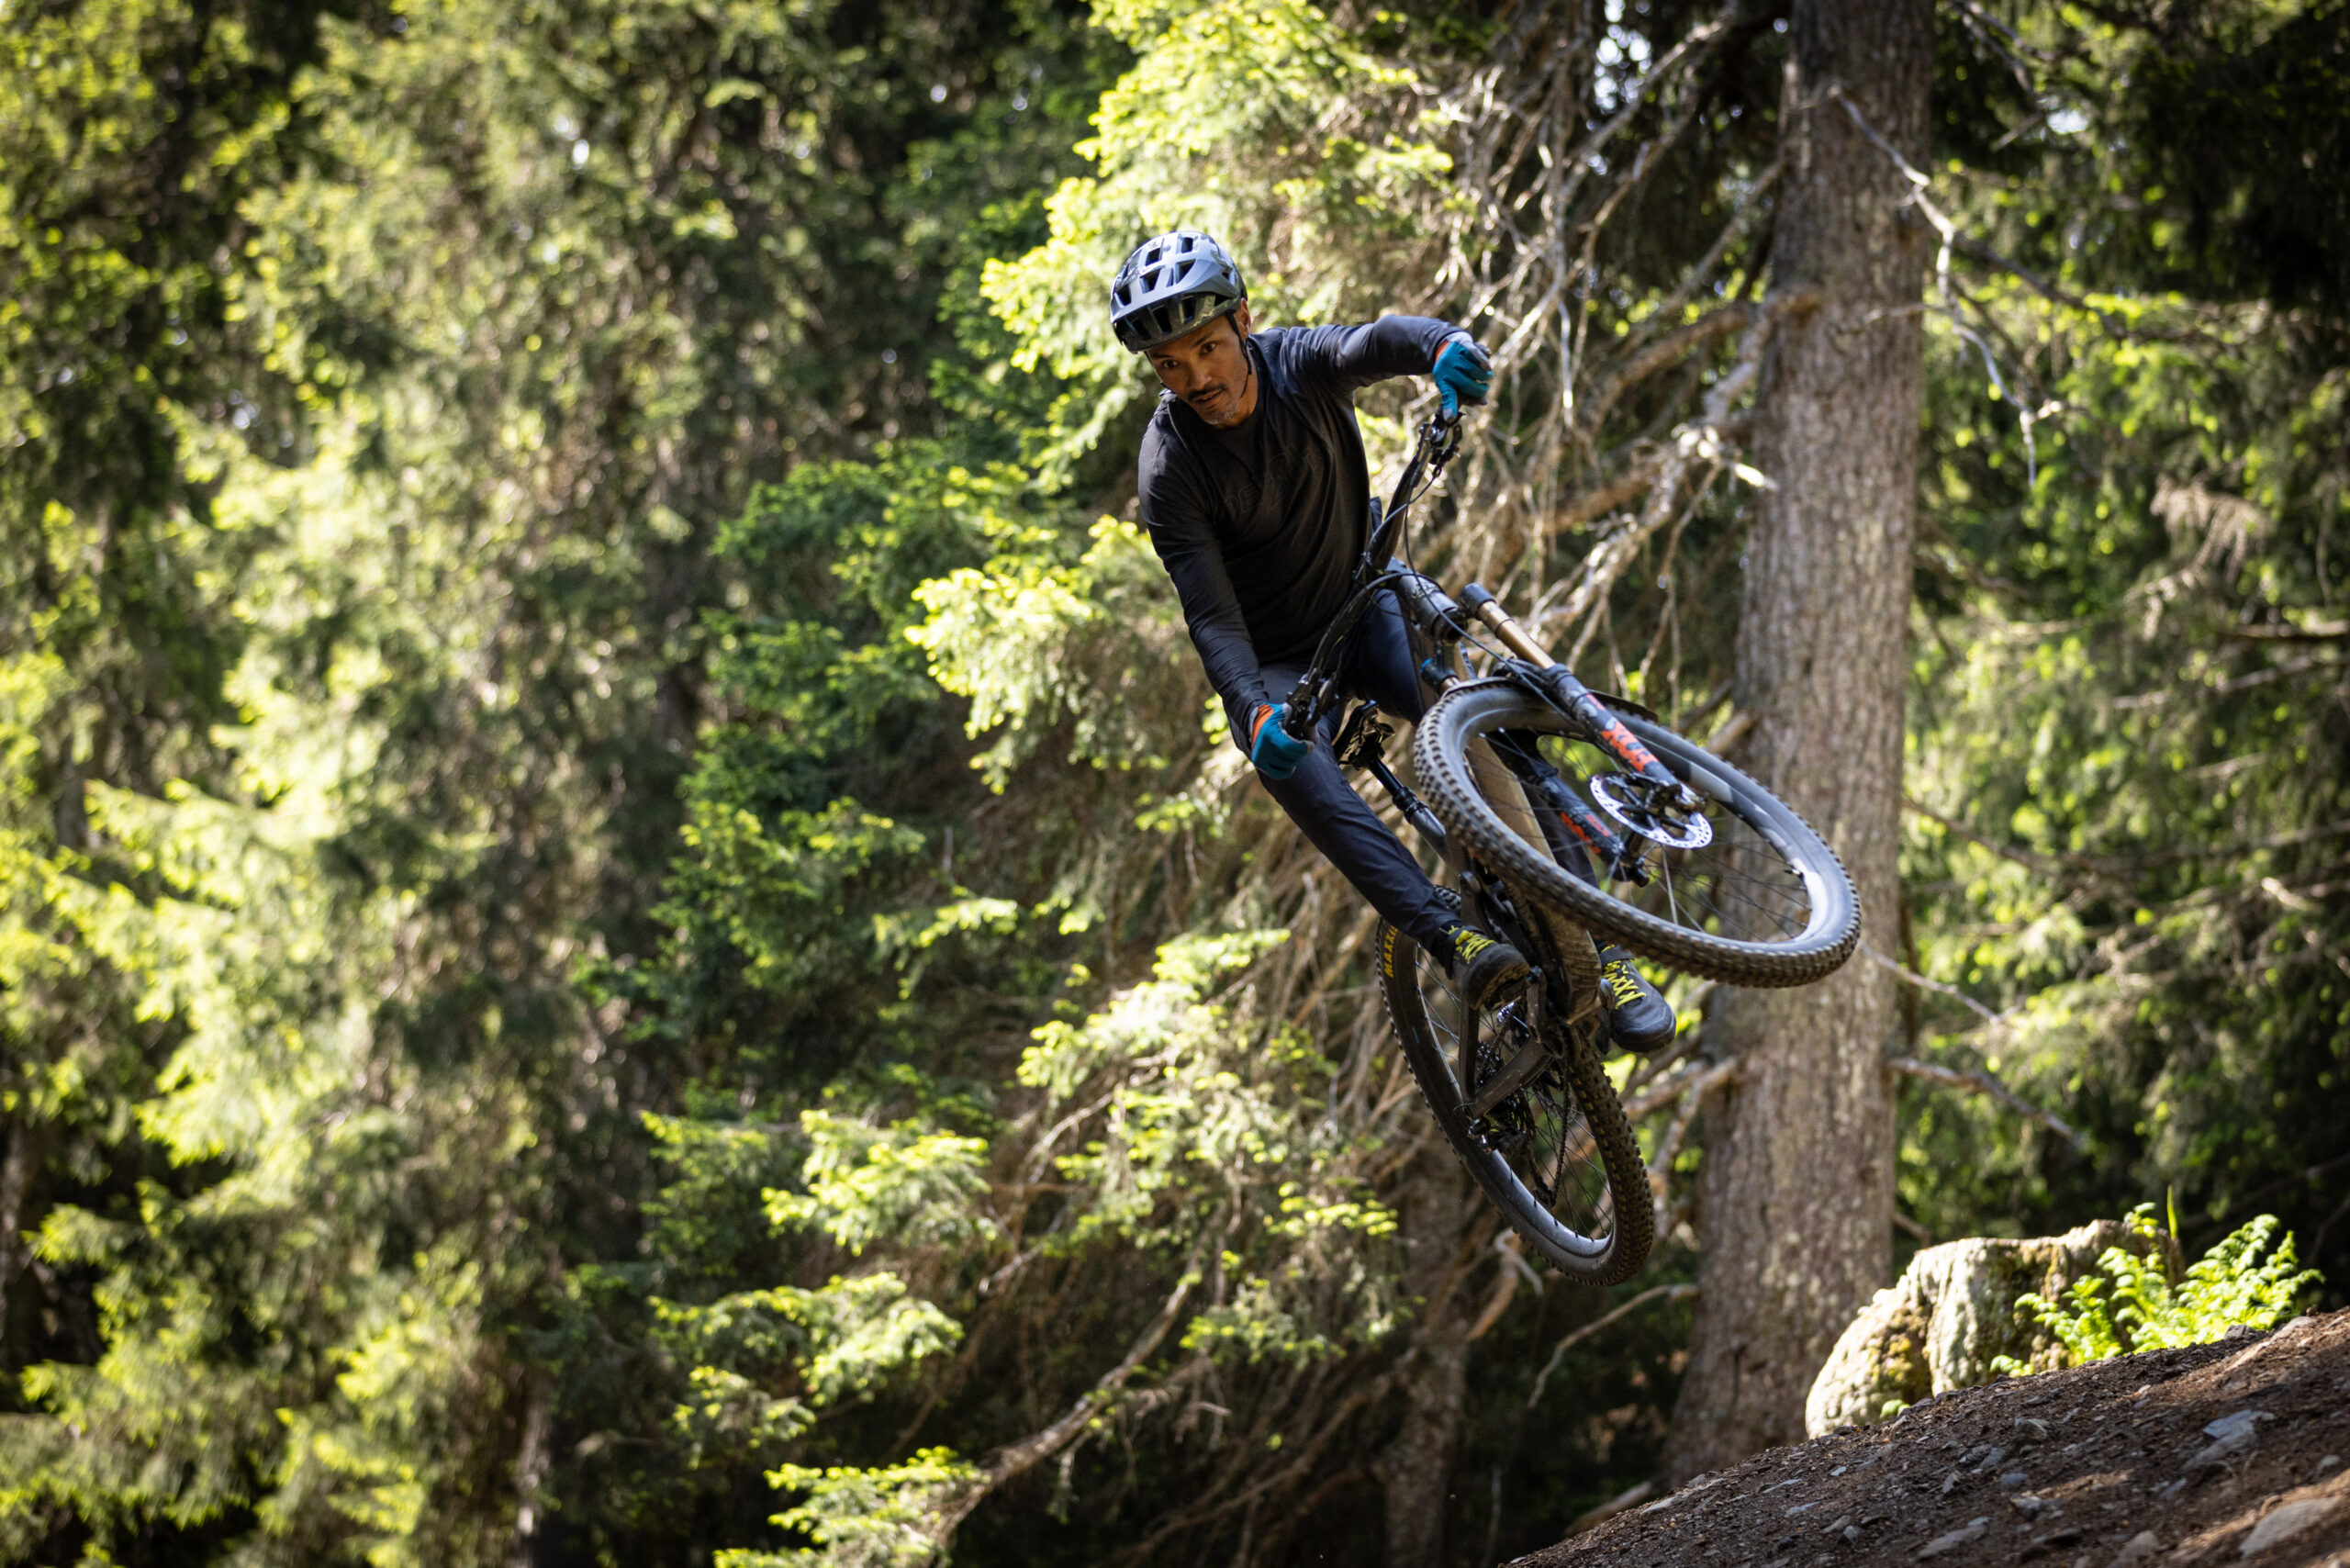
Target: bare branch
1655 1292
2320 632
1996 1020
1662 355
1660 1166
1701 1080
1012 1458
1983 1083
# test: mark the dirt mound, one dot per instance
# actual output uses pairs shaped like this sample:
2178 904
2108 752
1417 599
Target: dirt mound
2232 1453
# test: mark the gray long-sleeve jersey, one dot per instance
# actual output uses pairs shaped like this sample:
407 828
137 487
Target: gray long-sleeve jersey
1260 527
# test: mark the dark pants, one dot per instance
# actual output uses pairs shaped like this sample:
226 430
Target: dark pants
1375 663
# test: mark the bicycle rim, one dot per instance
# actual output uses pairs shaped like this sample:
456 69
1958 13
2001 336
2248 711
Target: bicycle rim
1762 902
1557 1157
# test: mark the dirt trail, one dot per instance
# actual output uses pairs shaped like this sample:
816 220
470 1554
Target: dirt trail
2234 1452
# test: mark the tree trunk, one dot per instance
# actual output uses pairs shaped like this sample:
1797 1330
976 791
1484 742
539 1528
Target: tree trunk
1415 1470
17 1172
1795 1196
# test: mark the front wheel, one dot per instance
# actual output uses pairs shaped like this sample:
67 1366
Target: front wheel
1741 891
1557 1158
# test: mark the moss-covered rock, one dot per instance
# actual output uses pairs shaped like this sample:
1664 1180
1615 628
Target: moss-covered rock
1949 1317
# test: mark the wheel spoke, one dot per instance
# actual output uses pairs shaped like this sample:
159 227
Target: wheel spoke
1538 1132
1739 886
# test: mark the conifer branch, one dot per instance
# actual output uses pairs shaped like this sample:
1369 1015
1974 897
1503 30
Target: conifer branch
1982 1082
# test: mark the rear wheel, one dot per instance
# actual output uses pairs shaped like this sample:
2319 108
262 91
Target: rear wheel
1557 1158
1740 890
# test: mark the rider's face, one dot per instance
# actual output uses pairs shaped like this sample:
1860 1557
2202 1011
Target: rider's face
1209 370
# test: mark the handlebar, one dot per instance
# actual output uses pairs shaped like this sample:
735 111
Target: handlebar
1438 440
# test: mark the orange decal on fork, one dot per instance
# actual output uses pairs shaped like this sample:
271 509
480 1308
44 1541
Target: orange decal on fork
1628 747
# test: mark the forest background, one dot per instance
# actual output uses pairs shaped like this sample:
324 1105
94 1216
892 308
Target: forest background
628 933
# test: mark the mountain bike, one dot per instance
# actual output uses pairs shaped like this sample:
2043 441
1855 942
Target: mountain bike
1561 813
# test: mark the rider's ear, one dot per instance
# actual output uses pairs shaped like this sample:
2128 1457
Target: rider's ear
1240 319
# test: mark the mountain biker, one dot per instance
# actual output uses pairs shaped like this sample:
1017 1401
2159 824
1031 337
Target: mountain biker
1256 495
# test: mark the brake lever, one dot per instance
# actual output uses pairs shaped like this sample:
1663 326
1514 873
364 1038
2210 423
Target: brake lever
1297 714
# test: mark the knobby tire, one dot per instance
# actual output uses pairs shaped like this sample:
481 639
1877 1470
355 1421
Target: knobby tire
1776 850
1607 1253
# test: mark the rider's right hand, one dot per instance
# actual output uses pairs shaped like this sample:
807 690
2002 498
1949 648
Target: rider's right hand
1273 749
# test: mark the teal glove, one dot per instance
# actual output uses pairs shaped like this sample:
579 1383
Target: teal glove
1463 374
1274 750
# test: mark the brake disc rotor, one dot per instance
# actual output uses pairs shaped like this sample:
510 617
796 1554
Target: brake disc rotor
1626 800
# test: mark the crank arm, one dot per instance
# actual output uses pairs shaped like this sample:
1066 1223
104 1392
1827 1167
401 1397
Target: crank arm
1515 1074
1532 1058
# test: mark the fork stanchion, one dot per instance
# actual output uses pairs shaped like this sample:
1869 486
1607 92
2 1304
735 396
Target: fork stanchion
1487 609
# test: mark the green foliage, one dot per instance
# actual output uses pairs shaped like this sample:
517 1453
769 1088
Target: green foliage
621 937
2127 740
865 1519
1265 122
2229 1285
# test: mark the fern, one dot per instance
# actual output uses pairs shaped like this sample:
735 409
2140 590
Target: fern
2228 1285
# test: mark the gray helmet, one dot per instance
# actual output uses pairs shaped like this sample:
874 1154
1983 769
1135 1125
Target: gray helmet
1170 285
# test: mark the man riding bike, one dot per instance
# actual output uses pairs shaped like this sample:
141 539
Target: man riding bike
1256 495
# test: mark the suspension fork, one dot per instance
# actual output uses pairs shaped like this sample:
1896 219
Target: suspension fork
1554 680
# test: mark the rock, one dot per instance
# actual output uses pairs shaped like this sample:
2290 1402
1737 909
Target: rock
1971 1530
2030 1429
2287 1521
1939 1327
2234 1424
2239 1370
2137 1549
2229 1435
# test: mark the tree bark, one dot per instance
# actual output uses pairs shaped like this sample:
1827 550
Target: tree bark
16 1175
1414 1472
1795 1196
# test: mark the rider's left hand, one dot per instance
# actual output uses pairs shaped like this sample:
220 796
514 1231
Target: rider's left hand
1463 374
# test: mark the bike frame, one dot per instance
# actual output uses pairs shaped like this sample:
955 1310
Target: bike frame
1434 613
1565 965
